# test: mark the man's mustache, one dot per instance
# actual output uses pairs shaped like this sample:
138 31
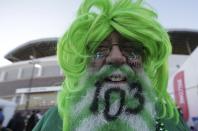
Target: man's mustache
109 70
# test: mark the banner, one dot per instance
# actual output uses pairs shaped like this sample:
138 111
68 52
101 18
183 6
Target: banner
180 94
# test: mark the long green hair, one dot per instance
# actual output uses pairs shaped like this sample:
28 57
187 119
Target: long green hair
95 20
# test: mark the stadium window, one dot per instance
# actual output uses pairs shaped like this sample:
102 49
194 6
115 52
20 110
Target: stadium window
20 72
2 76
11 75
51 70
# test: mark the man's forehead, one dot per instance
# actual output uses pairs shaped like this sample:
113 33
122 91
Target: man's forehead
114 37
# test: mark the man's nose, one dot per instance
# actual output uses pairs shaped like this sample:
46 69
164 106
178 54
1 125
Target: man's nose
115 56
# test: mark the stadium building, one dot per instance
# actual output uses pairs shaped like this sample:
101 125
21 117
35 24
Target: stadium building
34 77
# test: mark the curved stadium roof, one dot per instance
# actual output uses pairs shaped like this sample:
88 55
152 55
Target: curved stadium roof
183 42
36 48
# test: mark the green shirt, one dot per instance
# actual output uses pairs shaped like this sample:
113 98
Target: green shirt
51 121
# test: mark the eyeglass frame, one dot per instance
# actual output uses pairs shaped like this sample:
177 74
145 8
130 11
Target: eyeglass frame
108 48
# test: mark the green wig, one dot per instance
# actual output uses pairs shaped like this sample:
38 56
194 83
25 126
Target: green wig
95 20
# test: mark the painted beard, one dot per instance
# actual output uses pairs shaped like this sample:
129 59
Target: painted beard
113 99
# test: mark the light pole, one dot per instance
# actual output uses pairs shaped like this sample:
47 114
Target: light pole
34 64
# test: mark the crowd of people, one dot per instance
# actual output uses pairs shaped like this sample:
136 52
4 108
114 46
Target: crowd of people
21 120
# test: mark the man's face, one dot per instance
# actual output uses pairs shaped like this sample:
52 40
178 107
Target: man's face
116 95
116 50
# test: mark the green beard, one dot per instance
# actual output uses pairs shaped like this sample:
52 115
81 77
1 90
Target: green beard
101 106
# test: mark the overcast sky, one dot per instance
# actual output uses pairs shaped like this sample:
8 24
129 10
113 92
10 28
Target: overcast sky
25 20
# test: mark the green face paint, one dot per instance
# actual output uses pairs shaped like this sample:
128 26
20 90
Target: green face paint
107 106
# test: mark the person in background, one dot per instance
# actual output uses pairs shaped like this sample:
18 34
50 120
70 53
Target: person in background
114 57
1 117
31 122
17 123
192 128
38 114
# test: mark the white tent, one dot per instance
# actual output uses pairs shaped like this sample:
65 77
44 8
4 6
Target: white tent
183 86
8 110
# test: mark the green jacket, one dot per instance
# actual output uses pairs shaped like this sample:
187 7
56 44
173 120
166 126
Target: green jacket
51 121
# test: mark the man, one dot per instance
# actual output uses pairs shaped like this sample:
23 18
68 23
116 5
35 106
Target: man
114 57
